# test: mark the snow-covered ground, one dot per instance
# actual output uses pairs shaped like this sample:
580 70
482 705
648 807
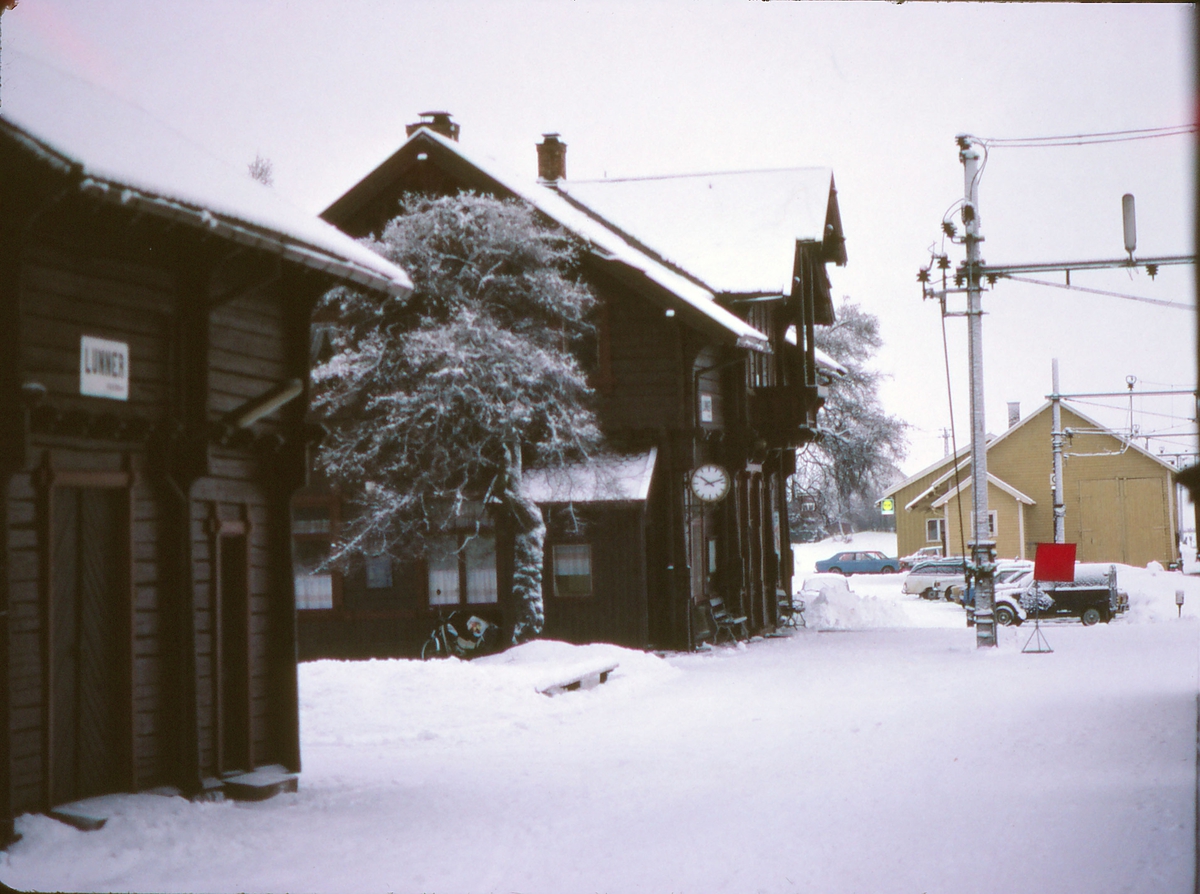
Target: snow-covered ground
886 755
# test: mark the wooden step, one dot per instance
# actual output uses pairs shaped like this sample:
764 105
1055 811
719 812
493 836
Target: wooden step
260 784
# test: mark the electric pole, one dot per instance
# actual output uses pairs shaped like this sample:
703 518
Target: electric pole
1056 445
969 278
983 548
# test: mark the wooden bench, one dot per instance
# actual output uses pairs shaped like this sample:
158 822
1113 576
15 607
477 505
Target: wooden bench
723 621
580 678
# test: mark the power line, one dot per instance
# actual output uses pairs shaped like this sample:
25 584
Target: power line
1089 139
1057 285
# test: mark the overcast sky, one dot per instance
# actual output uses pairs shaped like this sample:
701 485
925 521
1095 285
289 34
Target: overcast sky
876 91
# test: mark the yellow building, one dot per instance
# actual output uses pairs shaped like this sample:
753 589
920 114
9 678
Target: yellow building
1119 499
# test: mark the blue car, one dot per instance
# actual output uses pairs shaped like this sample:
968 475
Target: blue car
859 562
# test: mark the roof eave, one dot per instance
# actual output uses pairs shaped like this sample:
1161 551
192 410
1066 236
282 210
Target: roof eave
243 234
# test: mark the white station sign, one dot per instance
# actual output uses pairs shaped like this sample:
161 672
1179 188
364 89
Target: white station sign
103 368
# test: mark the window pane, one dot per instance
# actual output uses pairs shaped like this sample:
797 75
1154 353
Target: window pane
480 557
379 572
443 573
314 583
572 570
310 519
933 530
314 591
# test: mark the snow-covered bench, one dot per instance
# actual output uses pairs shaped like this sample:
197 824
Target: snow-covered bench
579 677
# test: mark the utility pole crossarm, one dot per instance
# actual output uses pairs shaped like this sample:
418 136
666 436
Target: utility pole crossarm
997 270
1081 395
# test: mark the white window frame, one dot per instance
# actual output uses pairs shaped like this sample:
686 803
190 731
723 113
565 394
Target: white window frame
939 526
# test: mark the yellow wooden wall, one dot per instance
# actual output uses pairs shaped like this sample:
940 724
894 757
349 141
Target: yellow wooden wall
1008 523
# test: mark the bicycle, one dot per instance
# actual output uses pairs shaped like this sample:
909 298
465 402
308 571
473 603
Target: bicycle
477 637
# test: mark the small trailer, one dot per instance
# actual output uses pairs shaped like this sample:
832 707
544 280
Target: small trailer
1092 597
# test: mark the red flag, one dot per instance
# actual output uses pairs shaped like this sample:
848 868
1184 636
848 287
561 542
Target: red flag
1054 562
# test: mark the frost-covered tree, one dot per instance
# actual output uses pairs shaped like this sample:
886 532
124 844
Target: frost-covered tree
443 398
855 461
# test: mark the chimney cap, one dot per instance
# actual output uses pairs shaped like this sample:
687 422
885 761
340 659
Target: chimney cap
437 121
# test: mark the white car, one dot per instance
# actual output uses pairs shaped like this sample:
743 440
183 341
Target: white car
937 578
925 552
946 579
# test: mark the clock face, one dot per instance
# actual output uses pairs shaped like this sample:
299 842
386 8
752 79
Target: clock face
710 483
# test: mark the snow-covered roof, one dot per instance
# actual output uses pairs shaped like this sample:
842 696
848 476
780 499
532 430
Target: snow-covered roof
603 239
736 231
824 361
122 153
603 479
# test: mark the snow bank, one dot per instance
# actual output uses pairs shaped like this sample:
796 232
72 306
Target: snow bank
830 604
445 699
865 601
1152 593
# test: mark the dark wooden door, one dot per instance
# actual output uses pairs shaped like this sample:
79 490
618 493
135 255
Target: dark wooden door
88 602
233 720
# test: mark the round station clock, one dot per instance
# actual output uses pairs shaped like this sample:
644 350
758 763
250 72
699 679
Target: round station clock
710 483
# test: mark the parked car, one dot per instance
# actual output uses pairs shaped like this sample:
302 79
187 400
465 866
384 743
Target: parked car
1092 597
858 562
924 553
1011 581
938 578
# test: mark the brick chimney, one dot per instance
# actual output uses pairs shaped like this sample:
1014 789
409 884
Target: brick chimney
1014 412
552 158
438 122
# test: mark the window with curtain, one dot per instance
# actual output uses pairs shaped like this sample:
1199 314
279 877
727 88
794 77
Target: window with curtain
479 568
462 569
314 584
443 572
572 570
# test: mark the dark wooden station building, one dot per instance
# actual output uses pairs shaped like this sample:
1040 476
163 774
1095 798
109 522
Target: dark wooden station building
154 349
707 382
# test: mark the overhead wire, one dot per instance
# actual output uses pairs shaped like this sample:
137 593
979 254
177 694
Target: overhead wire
962 532
1057 285
1123 409
1089 139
